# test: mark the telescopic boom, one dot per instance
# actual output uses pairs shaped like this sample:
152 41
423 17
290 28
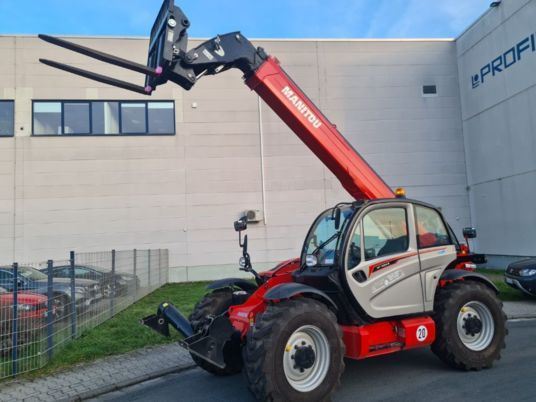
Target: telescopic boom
169 60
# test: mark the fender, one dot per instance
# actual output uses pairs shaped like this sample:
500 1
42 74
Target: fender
233 282
286 291
453 275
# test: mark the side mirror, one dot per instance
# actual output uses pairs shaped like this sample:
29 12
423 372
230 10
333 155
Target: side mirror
241 224
469 233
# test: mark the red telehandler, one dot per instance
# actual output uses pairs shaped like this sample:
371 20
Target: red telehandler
375 276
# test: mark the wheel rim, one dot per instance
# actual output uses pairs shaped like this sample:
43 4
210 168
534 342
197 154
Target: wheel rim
306 358
476 326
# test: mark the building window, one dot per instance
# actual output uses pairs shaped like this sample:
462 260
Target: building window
133 118
103 118
76 118
7 118
161 117
47 118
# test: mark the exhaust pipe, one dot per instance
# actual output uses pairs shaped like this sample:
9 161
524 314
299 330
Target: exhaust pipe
165 315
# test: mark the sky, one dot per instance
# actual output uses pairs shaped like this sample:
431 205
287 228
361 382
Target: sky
256 19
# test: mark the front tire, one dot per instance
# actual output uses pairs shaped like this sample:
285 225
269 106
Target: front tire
471 326
214 304
294 352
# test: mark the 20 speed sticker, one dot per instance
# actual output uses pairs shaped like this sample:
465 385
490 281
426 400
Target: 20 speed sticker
422 333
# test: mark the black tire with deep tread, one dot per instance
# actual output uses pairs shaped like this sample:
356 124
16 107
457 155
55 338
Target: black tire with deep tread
448 345
214 304
266 341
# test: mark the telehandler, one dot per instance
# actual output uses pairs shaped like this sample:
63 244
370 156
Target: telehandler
376 276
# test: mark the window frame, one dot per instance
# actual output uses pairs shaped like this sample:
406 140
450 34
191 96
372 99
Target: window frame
12 101
363 236
147 133
442 219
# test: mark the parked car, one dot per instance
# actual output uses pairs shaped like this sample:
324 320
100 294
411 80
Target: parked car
30 279
521 275
29 305
112 284
32 312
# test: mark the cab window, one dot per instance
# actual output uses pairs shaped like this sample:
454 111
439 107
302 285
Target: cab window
385 232
431 230
323 238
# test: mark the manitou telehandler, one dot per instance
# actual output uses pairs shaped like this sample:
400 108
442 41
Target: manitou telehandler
375 276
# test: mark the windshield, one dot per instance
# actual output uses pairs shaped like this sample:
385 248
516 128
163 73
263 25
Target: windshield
323 238
31 273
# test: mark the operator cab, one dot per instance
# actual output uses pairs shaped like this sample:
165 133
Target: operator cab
372 255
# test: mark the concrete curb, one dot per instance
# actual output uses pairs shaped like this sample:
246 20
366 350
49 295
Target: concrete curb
127 383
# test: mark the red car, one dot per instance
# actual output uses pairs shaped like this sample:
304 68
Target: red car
31 306
31 313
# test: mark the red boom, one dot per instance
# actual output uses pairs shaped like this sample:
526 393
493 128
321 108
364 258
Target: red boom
278 90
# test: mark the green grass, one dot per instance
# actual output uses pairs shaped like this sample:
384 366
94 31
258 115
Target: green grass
507 293
124 333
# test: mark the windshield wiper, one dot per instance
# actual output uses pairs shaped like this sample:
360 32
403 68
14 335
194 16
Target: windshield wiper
324 244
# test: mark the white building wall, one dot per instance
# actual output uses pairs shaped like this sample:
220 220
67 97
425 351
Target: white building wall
500 129
183 192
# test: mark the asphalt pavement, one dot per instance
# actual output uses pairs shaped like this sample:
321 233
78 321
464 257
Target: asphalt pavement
408 376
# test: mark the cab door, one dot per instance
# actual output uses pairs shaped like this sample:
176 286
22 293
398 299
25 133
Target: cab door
382 262
436 250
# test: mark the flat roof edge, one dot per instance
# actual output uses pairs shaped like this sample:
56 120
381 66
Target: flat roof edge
252 39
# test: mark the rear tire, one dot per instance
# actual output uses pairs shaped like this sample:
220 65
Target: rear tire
471 326
282 336
217 303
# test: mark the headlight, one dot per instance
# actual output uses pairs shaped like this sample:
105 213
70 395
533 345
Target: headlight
527 272
311 260
79 289
242 262
24 307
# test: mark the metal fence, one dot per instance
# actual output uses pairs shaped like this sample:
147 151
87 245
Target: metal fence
45 305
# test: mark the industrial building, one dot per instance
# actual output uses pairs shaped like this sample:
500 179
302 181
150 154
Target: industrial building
88 167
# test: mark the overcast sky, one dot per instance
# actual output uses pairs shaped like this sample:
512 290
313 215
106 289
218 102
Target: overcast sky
256 19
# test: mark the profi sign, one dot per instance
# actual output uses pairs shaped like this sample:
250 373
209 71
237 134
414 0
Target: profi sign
506 60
